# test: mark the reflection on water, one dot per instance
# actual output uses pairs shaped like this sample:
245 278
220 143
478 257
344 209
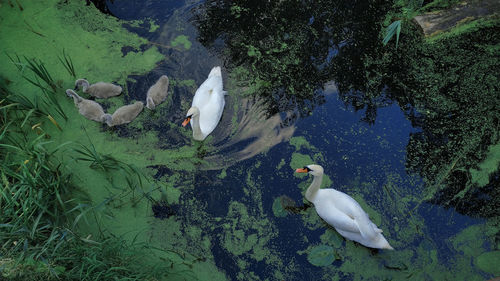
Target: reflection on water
252 133
283 112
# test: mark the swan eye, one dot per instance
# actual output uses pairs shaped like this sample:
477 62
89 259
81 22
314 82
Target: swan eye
307 169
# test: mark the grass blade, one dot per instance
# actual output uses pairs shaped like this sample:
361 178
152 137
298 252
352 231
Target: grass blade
393 28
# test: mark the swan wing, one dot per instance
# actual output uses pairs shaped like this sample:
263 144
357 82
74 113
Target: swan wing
211 112
204 92
327 208
348 213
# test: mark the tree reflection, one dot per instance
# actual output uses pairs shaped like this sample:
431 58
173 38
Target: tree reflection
286 50
453 99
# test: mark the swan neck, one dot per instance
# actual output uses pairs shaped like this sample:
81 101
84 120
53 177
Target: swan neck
314 187
76 98
197 134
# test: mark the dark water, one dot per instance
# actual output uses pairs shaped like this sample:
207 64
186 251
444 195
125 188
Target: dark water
359 138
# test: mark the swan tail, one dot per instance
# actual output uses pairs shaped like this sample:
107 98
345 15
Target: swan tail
387 247
367 228
216 71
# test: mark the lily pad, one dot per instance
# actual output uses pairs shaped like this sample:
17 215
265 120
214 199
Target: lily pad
321 255
332 238
489 262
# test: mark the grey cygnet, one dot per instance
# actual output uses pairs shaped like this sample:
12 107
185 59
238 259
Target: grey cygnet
88 108
124 114
100 90
157 93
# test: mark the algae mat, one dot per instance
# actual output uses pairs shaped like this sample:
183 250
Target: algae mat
45 31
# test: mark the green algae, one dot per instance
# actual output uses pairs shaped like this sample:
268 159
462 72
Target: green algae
490 164
299 160
489 262
278 209
300 142
181 40
94 42
332 238
321 255
247 235
153 26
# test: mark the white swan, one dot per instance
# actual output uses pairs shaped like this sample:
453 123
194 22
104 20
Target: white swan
208 104
124 114
88 108
100 90
343 212
157 93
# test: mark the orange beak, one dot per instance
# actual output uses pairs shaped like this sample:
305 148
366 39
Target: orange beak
186 121
301 170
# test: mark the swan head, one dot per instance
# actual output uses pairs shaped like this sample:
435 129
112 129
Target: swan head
107 118
313 169
150 103
76 98
163 79
192 112
70 93
81 83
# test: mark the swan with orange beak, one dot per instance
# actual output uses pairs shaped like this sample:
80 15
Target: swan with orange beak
208 104
342 212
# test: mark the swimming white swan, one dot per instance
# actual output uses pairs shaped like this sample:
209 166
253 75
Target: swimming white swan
343 212
124 114
88 108
157 93
100 90
208 104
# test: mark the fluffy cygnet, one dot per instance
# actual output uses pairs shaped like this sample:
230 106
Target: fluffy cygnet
88 108
100 90
157 93
124 114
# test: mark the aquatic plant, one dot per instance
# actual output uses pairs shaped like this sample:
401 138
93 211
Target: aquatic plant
40 71
321 255
68 64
